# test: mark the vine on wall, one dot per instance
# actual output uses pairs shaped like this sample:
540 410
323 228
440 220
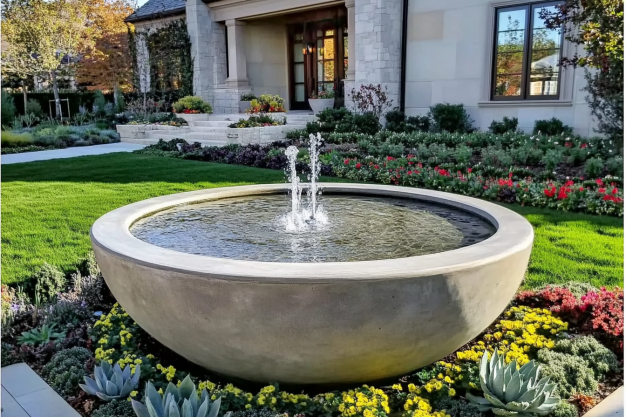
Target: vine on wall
169 59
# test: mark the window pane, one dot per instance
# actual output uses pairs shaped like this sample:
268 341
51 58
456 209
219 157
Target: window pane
508 85
329 48
328 86
509 63
345 68
345 46
329 70
319 33
511 30
300 92
320 70
298 73
297 36
544 38
320 48
545 56
330 32
297 52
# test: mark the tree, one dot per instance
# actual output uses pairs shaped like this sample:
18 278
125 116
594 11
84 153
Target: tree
44 38
107 65
597 25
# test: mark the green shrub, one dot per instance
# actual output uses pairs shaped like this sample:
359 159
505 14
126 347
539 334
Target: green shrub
421 123
110 134
463 154
8 355
497 157
456 407
552 127
615 166
33 107
119 103
506 125
47 282
10 139
597 357
248 97
7 108
564 409
594 167
552 158
63 132
66 370
571 374
115 408
579 288
296 134
192 103
576 156
450 118
99 103
366 123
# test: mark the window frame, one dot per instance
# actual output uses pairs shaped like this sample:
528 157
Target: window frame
525 97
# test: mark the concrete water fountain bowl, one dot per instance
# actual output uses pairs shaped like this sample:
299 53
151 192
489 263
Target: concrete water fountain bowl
313 322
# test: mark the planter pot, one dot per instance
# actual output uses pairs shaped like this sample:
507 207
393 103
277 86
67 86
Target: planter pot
319 104
243 106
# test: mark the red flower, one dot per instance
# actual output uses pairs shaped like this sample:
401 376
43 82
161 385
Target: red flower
375 166
550 193
581 189
410 163
358 165
599 182
469 170
562 194
568 144
614 191
602 190
419 164
410 172
569 183
347 161
390 158
583 145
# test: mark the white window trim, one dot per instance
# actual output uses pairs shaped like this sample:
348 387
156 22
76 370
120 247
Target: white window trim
566 86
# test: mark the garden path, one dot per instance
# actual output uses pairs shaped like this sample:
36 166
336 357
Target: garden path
25 394
68 152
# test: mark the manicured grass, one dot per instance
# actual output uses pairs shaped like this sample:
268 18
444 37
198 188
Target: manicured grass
48 208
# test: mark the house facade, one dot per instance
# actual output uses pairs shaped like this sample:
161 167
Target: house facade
497 58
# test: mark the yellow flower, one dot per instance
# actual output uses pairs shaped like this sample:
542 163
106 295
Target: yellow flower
451 392
248 406
397 387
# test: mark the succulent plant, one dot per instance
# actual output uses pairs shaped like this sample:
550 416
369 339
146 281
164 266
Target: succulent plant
511 392
182 401
111 383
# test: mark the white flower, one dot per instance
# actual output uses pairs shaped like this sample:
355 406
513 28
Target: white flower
556 143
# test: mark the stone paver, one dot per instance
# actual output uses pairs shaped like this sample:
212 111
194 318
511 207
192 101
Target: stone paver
612 406
68 152
25 394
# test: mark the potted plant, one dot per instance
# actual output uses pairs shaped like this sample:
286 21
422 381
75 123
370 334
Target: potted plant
244 103
267 103
321 101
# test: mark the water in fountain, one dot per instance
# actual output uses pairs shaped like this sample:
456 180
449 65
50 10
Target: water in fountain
304 217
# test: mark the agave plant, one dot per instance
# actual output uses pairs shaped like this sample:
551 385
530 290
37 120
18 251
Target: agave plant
111 383
511 392
41 336
182 401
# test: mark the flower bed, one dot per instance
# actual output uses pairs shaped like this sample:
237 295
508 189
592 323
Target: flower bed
261 120
572 332
267 103
520 186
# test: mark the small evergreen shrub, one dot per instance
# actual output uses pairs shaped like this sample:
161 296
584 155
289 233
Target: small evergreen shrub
463 154
594 167
570 372
8 355
192 104
33 107
564 409
66 370
595 355
552 127
615 166
366 123
248 97
7 108
506 125
552 158
450 118
99 103
47 282
421 123
399 123
10 139
115 408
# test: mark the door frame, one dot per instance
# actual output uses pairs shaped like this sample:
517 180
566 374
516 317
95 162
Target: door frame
308 23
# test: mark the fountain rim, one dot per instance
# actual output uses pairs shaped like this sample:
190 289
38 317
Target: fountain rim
111 232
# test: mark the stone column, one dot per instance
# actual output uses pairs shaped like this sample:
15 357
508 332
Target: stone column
201 28
348 83
377 44
236 54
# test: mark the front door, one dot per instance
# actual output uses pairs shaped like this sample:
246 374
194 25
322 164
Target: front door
318 60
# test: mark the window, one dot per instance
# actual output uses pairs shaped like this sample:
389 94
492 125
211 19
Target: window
526 55
325 59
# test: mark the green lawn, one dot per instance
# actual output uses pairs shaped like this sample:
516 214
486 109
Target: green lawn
48 207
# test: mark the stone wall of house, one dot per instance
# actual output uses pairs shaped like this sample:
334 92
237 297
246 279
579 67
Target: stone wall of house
448 60
378 40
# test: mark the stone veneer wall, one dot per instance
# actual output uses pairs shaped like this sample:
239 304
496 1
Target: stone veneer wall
208 49
378 41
